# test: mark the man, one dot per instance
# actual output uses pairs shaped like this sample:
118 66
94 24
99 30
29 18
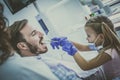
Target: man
15 67
28 42
12 66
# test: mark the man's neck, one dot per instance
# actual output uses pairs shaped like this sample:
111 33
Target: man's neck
27 54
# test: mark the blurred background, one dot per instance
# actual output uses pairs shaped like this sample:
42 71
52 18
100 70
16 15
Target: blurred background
62 17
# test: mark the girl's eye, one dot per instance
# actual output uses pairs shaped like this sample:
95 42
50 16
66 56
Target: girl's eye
88 35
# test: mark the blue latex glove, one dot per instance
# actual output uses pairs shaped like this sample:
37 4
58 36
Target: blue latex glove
55 42
68 47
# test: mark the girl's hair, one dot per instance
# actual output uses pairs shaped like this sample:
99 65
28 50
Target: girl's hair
111 40
1 8
5 46
100 19
110 37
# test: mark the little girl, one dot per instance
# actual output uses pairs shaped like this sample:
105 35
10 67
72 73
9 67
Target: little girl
100 32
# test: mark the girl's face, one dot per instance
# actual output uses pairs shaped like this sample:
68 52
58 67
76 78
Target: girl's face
93 37
91 34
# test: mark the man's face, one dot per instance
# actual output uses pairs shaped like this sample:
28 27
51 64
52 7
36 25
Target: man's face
34 39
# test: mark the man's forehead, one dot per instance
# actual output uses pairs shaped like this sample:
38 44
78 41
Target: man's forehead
27 29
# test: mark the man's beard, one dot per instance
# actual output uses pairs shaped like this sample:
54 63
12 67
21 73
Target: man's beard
33 49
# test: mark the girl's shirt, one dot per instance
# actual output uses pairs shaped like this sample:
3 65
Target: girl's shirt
112 68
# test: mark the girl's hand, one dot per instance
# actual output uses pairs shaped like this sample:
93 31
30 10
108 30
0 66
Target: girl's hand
55 42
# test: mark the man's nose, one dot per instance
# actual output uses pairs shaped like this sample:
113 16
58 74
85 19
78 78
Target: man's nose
40 34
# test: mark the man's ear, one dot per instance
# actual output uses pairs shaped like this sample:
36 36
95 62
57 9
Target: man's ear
22 45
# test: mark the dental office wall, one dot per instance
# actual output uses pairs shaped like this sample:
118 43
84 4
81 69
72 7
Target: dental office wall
28 12
62 17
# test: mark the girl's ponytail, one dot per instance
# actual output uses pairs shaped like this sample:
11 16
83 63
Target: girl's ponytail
110 37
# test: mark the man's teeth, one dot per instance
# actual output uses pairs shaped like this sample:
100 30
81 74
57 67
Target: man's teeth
42 41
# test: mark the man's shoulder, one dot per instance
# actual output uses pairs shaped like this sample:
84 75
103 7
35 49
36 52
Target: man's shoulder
26 66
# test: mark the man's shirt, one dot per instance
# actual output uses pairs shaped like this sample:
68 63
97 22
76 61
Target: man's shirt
25 68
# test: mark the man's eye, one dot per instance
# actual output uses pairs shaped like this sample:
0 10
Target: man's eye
34 33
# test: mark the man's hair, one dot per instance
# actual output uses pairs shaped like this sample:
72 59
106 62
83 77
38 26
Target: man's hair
16 36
